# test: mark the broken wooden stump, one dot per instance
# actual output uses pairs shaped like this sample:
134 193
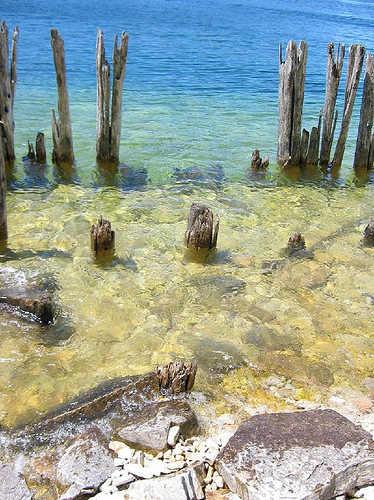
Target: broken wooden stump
368 234
177 376
61 128
365 140
296 242
333 74
200 236
257 163
8 80
3 214
108 129
355 62
291 97
314 140
102 239
34 301
37 154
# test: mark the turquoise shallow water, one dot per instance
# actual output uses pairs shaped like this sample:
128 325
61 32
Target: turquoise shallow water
200 91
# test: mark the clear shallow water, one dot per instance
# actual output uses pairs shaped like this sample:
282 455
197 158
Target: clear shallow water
201 89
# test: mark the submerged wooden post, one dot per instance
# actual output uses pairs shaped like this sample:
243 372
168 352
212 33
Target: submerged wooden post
313 149
200 237
39 153
61 128
3 216
355 62
368 234
258 163
291 98
102 239
108 129
333 74
364 153
8 80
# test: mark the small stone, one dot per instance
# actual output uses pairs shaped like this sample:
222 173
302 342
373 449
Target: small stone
367 493
123 479
209 477
173 435
364 405
108 486
119 462
116 446
179 458
218 479
193 456
168 454
212 444
160 455
178 450
210 456
176 465
139 471
126 452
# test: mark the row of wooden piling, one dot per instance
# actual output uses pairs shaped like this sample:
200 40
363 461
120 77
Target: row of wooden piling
298 147
109 101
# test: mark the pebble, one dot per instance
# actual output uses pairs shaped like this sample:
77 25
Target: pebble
131 465
173 435
367 493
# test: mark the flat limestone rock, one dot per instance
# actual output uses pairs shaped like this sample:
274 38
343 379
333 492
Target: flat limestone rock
85 465
186 485
12 485
308 455
149 429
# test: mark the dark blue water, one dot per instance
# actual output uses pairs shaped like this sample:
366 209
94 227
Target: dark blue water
202 77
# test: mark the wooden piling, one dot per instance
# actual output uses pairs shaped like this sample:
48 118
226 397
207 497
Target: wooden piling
313 149
3 215
176 376
304 147
8 80
291 97
364 154
201 234
355 62
108 129
102 239
61 128
333 74
40 149
258 163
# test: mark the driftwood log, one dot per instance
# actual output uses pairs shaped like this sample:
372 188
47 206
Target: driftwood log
109 116
291 98
176 376
8 80
3 214
102 239
333 74
257 162
202 233
61 128
355 62
364 145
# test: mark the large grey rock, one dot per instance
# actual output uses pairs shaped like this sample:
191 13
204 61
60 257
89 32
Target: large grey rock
85 465
12 485
186 485
148 429
309 455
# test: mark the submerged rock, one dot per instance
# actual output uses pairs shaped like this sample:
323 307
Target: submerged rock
149 429
309 455
33 300
12 485
368 234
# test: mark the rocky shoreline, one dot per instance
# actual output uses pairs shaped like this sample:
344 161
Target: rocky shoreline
136 441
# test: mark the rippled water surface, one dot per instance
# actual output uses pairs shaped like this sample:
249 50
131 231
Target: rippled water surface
200 93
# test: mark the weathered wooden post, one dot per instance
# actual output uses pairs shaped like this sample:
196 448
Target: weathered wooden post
364 146
8 80
333 74
177 376
39 153
200 237
61 128
108 129
355 62
3 216
258 163
102 239
291 98
313 148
